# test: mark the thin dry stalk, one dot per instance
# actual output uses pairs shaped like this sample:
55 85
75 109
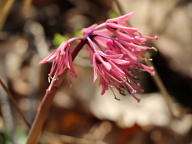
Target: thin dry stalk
119 8
12 99
161 87
25 6
5 11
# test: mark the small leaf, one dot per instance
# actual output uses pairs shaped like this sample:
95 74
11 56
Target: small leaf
112 14
58 39
78 33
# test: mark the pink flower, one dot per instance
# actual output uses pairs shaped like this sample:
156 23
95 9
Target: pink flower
61 60
116 51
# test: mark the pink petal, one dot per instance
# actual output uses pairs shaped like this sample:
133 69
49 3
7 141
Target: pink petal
121 62
50 58
102 41
130 54
102 32
124 36
121 27
62 47
94 69
117 70
123 17
149 69
105 64
104 86
89 29
137 47
150 37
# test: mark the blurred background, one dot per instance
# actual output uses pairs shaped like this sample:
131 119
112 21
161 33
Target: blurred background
31 29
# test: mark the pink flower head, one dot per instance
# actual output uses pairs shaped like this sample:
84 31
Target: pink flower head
116 51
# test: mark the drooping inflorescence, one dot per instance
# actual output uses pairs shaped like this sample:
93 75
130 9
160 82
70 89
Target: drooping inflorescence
116 52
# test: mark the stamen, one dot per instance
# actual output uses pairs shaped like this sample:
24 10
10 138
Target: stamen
155 49
114 94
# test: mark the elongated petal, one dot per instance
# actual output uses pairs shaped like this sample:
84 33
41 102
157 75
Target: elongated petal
120 27
102 32
149 69
62 47
50 58
94 69
89 29
131 55
105 64
121 61
123 17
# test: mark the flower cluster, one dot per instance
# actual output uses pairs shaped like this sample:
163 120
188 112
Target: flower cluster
61 60
116 51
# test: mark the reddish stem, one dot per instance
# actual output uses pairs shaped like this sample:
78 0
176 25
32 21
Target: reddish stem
43 109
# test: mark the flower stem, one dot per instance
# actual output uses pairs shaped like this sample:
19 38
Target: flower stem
43 109
78 48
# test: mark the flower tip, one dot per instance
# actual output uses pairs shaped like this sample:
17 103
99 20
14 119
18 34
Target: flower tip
138 100
107 66
42 62
122 18
117 98
153 73
134 91
156 37
103 92
141 91
48 91
94 79
89 29
154 48
132 13
127 16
